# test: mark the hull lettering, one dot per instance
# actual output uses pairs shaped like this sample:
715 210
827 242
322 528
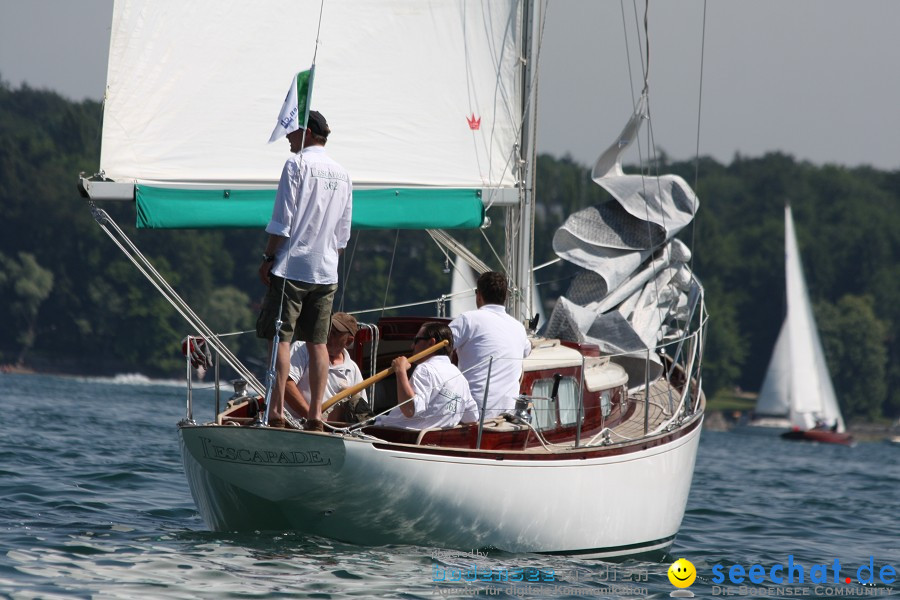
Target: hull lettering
258 456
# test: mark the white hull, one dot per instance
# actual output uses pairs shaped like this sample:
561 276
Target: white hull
374 494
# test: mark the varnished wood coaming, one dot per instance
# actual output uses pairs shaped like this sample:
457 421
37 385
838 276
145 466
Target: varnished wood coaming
510 441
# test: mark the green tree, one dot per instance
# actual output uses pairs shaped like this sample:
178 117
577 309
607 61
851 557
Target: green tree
228 310
854 342
107 317
725 351
24 285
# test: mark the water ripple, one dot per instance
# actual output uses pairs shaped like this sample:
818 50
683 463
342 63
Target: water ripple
96 505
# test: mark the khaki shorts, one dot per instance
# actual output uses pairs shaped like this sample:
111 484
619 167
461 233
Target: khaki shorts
305 312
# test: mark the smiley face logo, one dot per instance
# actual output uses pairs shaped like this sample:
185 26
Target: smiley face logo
682 573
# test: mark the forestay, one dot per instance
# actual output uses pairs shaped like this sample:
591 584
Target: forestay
420 95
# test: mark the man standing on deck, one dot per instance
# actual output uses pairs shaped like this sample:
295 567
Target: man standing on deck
490 332
310 226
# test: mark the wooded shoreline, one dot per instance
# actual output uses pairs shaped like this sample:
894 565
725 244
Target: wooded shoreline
73 304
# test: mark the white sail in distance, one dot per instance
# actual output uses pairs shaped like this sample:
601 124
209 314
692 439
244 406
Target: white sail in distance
797 381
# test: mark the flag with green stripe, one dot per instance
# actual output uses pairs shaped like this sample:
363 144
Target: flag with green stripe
295 110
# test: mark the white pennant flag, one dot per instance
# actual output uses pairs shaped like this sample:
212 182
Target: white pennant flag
295 110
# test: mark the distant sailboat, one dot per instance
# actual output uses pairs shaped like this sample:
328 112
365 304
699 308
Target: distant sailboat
797 391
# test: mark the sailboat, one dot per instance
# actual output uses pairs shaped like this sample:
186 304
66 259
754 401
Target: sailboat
432 110
797 391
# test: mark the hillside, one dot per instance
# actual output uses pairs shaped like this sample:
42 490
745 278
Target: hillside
74 303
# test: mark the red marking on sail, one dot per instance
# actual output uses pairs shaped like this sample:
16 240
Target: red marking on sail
474 124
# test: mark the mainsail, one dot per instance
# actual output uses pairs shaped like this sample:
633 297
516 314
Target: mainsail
188 137
797 382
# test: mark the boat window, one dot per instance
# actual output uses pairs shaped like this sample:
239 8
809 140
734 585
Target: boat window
545 409
605 404
568 401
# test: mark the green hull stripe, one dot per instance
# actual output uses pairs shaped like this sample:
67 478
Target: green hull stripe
401 208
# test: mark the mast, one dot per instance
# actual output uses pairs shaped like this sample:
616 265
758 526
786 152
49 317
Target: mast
520 218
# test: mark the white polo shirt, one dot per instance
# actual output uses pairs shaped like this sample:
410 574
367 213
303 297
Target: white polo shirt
340 376
313 207
489 331
442 398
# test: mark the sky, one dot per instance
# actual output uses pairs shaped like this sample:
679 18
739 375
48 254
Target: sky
815 79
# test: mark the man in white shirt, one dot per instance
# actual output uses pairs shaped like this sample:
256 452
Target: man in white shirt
490 332
342 373
310 226
437 395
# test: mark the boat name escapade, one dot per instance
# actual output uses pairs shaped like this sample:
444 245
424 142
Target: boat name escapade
293 458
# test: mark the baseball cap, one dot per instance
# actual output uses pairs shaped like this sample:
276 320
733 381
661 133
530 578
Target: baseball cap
344 322
317 124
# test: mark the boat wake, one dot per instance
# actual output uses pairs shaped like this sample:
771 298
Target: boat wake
133 379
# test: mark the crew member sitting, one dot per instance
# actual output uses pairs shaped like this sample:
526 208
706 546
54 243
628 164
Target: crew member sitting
342 373
437 395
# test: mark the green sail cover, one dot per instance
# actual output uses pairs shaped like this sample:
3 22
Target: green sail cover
401 208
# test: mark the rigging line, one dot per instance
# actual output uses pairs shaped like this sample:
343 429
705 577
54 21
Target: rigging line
546 264
489 144
387 285
647 43
276 336
307 100
637 20
348 263
569 278
444 239
489 150
529 106
627 53
494 252
533 157
697 148
653 160
447 258
146 268
499 91
318 31
396 306
645 168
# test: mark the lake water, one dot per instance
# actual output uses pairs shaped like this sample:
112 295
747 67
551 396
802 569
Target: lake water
95 504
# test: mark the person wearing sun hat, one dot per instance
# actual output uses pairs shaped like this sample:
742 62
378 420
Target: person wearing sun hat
342 372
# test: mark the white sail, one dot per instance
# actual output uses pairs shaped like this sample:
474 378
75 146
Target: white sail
213 75
774 397
462 288
798 375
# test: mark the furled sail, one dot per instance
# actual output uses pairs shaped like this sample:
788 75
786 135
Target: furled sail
635 285
191 132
